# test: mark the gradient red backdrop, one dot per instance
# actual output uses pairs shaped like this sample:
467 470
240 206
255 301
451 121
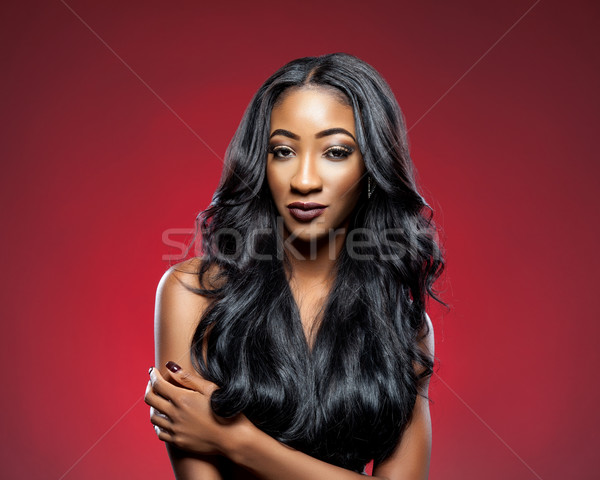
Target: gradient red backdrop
115 117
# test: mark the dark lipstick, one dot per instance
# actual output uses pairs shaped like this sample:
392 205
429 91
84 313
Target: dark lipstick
305 212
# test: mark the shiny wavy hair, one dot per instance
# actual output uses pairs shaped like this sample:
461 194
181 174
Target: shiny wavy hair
348 399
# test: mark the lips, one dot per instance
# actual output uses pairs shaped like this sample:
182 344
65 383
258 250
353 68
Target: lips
305 212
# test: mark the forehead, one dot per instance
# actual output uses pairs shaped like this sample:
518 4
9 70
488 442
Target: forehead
312 107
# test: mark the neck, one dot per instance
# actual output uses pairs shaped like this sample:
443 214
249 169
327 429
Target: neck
314 262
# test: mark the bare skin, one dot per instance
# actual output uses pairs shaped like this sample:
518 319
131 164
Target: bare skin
316 165
314 157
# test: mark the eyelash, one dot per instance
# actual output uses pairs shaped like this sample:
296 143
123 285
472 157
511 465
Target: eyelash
343 150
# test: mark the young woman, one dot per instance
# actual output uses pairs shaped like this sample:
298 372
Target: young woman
298 346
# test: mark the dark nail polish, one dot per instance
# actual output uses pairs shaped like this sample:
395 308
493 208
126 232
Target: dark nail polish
173 366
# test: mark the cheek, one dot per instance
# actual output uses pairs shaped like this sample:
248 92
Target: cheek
270 176
275 181
347 183
348 190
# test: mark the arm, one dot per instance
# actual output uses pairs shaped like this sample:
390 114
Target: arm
246 445
177 312
191 425
411 458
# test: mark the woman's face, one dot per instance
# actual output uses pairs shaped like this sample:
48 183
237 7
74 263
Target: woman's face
314 166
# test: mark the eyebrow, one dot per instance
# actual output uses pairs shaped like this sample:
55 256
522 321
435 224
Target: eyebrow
324 133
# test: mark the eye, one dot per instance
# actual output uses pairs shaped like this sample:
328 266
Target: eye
280 151
339 152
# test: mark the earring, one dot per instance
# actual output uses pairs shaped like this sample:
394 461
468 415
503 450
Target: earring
369 189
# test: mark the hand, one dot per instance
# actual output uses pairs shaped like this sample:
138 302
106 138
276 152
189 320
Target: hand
182 415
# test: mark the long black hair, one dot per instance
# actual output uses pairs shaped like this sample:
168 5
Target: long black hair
349 398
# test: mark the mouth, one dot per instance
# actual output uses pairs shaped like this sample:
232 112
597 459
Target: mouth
305 212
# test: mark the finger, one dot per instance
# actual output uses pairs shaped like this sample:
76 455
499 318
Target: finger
160 420
154 400
163 435
158 413
161 386
190 380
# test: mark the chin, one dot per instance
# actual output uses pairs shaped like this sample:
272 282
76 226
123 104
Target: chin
307 233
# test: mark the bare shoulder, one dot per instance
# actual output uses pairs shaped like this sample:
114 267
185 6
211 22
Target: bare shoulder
428 341
175 288
178 310
186 270
183 273
179 282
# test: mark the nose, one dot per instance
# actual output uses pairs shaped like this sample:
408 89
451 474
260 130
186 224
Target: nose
306 179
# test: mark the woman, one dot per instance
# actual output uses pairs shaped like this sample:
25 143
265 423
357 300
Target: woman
305 318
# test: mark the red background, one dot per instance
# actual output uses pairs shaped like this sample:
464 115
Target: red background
95 167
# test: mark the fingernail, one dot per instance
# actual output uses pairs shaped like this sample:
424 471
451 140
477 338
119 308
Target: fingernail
173 366
150 370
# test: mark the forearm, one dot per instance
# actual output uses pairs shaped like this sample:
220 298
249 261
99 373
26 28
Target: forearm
269 459
190 466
